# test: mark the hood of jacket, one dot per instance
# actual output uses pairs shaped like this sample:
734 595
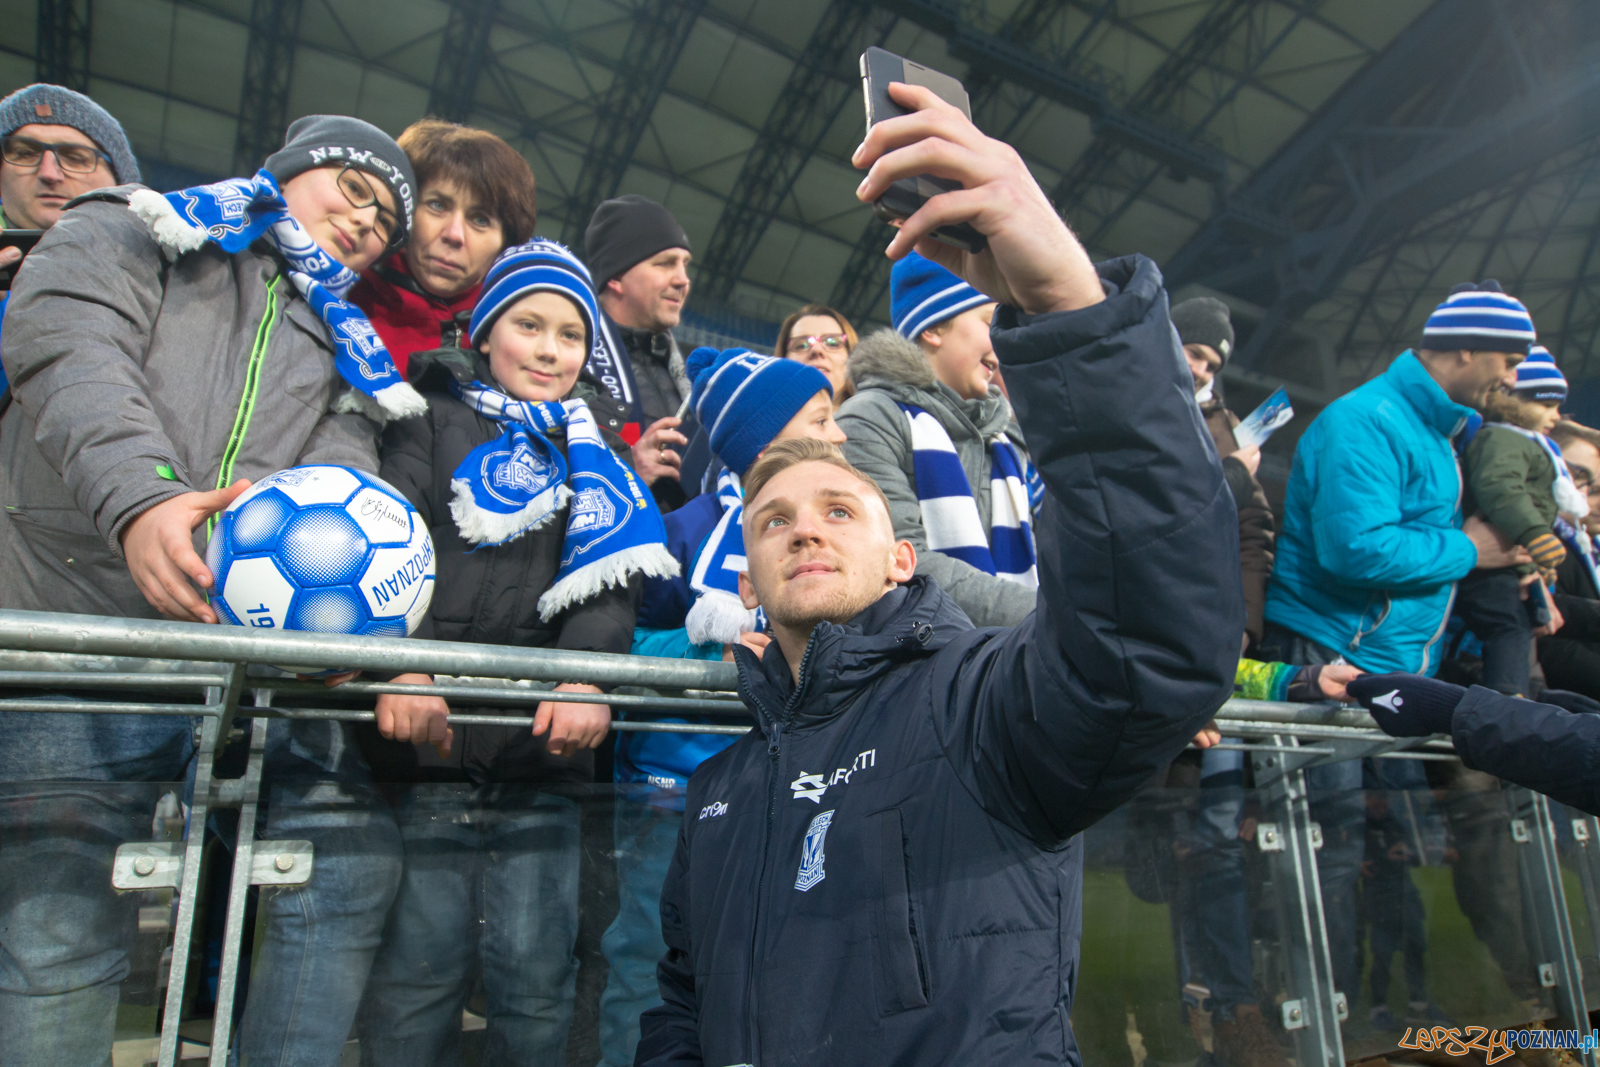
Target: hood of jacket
885 360
842 660
1504 407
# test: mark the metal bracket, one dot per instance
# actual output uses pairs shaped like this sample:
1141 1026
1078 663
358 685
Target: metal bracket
1341 1006
1270 839
159 864
1316 844
1547 975
1580 829
1519 831
1294 1015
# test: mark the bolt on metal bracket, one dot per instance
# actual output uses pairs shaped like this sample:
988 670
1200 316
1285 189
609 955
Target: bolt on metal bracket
1270 839
1580 829
1294 1015
1316 839
1341 1006
159 864
1547 975
1519 831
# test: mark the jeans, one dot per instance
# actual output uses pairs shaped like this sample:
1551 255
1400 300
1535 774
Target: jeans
319 939
1398 924
489 892
646 837
77 786
1490 603
1215 901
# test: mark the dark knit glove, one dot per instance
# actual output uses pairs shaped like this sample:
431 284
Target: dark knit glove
1547 551
1567 700
1407 705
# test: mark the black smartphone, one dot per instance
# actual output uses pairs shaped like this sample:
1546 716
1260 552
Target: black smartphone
23 239
1538 605
902 199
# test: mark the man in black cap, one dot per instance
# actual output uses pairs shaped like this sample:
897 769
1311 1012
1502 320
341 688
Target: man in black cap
638 256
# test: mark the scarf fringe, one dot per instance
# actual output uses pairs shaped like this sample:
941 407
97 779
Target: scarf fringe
401 401
481 527
651 560
171 232
720 617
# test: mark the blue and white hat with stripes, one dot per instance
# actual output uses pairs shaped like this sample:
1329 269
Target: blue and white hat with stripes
1538 377
1479 317
745 399
538 265
923 294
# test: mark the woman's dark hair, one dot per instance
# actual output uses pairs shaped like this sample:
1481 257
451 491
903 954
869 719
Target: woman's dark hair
781 350
485 165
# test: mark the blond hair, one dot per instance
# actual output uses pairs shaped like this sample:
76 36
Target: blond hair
1567 431
781 455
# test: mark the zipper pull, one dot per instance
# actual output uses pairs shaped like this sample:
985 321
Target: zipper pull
777 736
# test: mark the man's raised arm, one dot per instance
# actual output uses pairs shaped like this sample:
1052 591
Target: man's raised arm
1136 635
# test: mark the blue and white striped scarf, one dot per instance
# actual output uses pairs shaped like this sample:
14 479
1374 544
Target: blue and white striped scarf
717 613
950 512
235 213
520 481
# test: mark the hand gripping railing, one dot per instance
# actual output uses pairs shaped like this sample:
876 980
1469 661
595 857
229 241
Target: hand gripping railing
54 663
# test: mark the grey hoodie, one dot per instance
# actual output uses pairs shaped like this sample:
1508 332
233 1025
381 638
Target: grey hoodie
887 370
137 379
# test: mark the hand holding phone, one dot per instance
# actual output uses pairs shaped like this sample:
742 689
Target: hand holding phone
14 245
1032 261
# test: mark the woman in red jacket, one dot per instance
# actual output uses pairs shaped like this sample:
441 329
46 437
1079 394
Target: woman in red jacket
477 199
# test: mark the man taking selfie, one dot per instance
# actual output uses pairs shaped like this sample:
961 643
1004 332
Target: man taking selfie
887 869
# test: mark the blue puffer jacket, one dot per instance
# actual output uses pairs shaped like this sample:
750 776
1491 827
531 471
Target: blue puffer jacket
1371 546
887 871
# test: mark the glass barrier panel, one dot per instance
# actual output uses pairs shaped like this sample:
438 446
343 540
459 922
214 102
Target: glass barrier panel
86 965
1438 920
1578 847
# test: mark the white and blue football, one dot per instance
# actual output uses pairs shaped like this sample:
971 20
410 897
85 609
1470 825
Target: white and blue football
323 548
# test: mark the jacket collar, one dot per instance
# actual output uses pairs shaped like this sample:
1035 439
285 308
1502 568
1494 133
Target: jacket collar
394 272
1413 382
842 660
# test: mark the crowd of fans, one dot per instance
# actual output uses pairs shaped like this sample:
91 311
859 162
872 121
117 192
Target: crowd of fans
385 305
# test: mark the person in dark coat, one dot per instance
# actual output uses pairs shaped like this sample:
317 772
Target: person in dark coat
1206 330
1551 745
1570 658
543 535
887 869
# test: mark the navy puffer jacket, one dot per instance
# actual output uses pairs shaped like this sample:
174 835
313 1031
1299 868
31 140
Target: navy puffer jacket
887 872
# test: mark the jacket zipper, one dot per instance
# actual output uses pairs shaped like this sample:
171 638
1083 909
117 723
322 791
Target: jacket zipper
774 780
252 388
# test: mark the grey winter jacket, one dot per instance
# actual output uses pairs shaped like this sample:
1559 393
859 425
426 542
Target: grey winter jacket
888 369
137 379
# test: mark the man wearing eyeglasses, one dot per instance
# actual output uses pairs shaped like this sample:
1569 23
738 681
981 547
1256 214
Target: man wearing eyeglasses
55 144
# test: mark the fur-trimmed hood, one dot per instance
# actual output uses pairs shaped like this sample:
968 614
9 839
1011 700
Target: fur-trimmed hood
1504 407
886 356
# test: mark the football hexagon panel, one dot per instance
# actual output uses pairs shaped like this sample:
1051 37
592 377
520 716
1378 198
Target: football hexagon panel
384 519
322 546
257 593
257 522
335 610
315 485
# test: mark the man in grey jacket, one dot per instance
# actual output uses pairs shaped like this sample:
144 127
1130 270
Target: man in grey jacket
938 359
150 388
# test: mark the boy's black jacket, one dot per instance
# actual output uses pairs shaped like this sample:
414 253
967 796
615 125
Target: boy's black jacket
490 595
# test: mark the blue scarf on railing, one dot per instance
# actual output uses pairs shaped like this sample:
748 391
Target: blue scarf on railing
717 613
235 213
520 481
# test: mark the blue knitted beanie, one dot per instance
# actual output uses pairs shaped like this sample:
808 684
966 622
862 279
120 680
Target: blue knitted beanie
56 105
744 399
539 265
923 294
1479 317
1538 377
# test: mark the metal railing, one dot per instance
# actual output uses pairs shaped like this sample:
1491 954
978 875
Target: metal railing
58 663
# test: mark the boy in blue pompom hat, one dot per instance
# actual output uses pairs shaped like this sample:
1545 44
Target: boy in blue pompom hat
1520 483
930 423
745 402
544 535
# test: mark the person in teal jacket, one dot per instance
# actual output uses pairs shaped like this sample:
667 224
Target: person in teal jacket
1373 540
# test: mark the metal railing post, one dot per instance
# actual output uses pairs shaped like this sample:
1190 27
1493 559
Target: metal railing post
238 890
221 701
1290 840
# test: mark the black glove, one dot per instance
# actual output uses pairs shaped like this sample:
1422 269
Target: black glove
1407 705
1567 700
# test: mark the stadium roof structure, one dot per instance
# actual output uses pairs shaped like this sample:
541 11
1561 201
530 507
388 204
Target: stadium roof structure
1328 167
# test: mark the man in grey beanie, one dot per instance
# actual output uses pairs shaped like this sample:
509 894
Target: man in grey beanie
55 144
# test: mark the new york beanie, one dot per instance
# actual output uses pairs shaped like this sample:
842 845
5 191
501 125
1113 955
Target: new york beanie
922 294
321 140
744 399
